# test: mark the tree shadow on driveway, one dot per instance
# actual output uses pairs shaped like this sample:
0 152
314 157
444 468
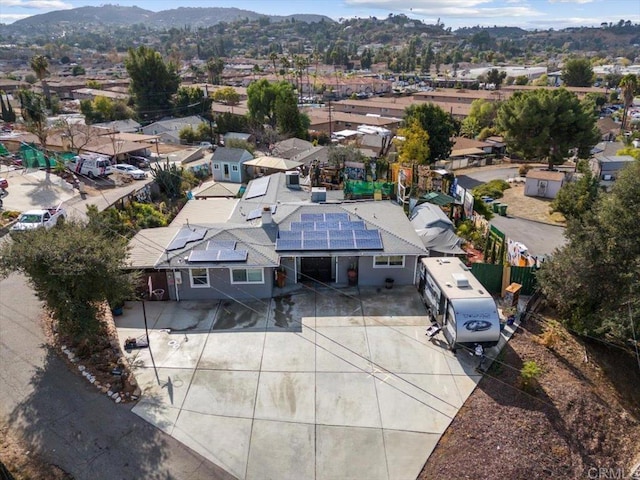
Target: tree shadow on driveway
74 426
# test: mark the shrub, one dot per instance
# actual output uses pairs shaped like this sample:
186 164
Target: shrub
524 169
492 189
529 374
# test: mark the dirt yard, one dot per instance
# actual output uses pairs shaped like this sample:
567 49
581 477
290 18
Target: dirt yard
531 208
582 415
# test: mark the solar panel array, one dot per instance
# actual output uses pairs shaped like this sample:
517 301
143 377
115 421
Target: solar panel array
257 213
219 251
257 188
186 235
328 231
218 256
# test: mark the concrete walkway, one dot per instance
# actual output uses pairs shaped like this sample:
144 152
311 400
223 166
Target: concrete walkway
318 384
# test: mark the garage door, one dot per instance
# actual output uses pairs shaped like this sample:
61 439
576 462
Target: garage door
316 268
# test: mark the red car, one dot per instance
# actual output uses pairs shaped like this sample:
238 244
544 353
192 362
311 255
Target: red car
4 183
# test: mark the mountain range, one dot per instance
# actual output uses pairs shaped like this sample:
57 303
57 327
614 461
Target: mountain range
177 17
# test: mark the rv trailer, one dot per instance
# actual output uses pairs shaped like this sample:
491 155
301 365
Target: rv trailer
459 304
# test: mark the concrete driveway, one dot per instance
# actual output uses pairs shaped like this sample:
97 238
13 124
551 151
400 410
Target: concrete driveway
326 384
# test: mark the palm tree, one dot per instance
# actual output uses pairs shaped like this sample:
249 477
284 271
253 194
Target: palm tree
628 84
273 56
40 66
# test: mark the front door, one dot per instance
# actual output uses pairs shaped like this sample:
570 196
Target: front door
225 171
316 268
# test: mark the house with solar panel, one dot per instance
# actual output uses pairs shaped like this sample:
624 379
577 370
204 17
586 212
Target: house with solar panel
279 235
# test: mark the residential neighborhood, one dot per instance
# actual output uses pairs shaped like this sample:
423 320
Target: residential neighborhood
282 247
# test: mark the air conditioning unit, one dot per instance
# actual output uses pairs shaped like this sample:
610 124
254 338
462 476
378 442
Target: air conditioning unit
292 179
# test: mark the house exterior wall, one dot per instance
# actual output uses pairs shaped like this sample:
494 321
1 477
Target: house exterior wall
236 171
368 275
533 188
221 286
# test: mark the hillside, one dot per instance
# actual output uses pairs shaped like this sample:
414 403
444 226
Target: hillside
116 15
582 414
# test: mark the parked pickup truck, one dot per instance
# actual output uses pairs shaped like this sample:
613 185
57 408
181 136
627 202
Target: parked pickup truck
42 218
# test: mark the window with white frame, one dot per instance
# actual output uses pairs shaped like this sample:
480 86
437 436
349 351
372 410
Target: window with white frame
386 261
199 277
247 275
216 166
234 168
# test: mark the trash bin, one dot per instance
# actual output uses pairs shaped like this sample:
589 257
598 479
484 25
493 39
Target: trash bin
503 209
495 206
388 283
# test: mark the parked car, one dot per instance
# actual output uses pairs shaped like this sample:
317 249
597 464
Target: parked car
139 162
91 165
207 145
129 170
41 218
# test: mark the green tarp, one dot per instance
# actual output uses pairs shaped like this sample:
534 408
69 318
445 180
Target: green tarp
360 188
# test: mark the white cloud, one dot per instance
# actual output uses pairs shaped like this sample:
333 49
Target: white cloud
455 8
11 17
38 4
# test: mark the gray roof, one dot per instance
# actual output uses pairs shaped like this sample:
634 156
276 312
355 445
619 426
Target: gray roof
321 154
148 246
291 147
428 215
435 229
172 124
257 241
122 126
617 159
234 155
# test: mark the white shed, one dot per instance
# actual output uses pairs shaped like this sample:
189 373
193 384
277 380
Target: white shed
543 183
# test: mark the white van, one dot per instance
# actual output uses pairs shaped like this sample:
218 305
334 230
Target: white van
91 165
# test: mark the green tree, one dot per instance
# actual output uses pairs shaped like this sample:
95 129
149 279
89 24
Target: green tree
40 66
496 77
576 198
227 95
152 82
261 99
188 135
481 115
546 124
577 72
77 70
629 85
228 122
190 101
594 279
73 269
414 146
215 67
169 178
276 105
440 126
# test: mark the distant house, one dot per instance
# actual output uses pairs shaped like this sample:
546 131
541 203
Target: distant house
607 167
227 164
543 183
291 147
121 126
169 130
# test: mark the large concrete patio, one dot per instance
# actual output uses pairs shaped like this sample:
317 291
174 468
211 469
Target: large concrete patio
322 384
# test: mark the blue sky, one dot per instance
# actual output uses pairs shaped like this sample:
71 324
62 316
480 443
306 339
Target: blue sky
529 14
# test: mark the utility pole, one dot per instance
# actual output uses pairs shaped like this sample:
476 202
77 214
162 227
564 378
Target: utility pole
330 123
